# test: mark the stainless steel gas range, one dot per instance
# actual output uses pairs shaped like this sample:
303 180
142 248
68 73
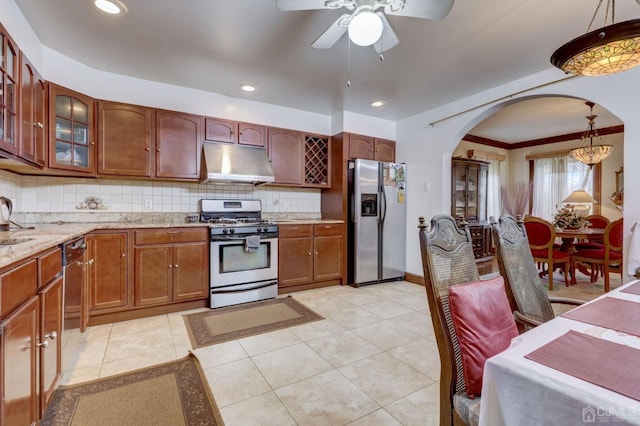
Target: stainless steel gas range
244 252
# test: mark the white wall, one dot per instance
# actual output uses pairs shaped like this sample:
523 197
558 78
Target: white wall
427 148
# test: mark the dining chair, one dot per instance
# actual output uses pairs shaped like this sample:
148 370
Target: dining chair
542 235
599 222
607 257
529 299
447 260
596 221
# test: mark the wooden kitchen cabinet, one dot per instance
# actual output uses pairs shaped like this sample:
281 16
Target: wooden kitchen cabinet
32 146
71 130
51 313
309 255
370 148
18 362
107 271
171 265
125 139
178 145
9 92
327 243
30 338
229 131
286 152
295 255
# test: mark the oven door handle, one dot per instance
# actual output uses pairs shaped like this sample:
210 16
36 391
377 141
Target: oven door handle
216 291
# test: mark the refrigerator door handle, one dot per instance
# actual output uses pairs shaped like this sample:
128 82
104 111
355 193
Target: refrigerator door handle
383 207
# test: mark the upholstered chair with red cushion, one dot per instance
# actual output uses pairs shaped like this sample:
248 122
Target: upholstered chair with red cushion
597 222
447 260
609 257
542 235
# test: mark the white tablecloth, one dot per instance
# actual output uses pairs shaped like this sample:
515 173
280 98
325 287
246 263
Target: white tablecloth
518 391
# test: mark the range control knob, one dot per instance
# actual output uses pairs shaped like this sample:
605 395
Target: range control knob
224 231
259 229
265 229
232 231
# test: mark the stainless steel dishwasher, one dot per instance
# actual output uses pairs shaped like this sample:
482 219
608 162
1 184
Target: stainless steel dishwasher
76 292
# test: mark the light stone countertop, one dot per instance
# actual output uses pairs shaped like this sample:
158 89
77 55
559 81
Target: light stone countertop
44 236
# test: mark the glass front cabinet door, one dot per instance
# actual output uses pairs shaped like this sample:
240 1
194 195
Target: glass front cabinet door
8 92
469 195
72 141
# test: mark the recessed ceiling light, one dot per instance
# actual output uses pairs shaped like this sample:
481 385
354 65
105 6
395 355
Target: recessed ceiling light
378 104
112 7
248 88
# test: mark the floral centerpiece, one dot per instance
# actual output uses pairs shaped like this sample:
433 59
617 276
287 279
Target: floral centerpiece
566 218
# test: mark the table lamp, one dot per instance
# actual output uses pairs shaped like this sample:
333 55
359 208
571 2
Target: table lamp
580 201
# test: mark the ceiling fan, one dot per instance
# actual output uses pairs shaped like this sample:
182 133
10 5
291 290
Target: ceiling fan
366 24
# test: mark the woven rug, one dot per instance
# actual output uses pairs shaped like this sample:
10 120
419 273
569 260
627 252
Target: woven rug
173 393
235 322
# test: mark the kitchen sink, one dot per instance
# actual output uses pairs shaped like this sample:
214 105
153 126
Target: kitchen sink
13 241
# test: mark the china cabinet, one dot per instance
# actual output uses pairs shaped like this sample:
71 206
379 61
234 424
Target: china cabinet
469 202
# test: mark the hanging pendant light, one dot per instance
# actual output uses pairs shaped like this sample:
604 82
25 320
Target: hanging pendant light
591 154
607 50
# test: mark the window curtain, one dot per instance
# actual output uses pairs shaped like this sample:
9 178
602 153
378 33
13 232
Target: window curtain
493 189
554 178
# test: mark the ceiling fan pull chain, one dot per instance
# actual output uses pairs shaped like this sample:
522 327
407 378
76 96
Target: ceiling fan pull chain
349 63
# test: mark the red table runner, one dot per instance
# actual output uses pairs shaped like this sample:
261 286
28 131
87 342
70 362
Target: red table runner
607 364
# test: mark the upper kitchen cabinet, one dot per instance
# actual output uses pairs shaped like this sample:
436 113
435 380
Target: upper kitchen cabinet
71 130
33 137
125 139
370 148
8 92
178 145
228 131
286 152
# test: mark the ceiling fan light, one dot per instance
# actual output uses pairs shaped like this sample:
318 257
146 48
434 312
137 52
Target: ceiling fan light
365 28
112 7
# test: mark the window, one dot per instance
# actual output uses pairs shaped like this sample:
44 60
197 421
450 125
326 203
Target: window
554 178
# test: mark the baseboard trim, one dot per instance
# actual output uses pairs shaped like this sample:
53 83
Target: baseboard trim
414 279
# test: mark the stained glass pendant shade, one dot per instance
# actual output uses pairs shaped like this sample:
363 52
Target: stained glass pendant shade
608 50
591 154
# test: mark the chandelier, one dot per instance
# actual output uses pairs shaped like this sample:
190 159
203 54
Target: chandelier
591 154
607 50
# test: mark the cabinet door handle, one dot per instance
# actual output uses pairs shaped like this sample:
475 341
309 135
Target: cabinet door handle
122 255
147 149
309 253
157 149
44 344
316 253
175 266
170 266
53 335
93 143
82 263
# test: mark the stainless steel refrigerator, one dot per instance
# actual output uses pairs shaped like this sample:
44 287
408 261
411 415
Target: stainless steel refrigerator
377 222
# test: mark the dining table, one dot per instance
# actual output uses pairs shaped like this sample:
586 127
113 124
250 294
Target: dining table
581 367
569 238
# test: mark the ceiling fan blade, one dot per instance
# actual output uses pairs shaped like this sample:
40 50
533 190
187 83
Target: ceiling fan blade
388 39
426 9
331 34
300 4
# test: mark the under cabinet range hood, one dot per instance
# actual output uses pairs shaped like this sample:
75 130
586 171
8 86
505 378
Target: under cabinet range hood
226 163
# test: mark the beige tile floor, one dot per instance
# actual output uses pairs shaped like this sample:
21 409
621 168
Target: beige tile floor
373 360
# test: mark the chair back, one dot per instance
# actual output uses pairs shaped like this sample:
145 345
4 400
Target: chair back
516 264
598 221
613 238
447 259
540 232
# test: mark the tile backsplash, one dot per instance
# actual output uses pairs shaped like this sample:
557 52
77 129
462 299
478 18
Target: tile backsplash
40 194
